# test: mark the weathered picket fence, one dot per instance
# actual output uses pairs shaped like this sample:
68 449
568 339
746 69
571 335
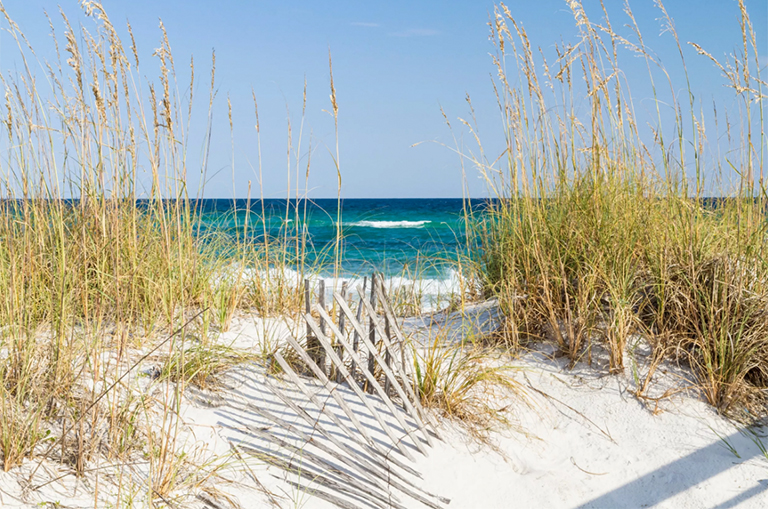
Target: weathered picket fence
362 349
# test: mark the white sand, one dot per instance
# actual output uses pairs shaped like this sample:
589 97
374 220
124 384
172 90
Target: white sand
587 442
592 444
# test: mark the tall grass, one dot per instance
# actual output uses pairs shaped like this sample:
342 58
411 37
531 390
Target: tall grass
86 268
600 231
102 256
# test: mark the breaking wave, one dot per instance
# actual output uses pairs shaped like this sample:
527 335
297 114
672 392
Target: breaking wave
390 224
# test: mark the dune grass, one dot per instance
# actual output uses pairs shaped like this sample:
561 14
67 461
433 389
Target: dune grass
465 383
102 258
600 231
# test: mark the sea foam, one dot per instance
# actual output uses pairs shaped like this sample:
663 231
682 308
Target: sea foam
390 224
434 293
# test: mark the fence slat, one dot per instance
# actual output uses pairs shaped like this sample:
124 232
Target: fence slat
356 337
387 356
372 330
321 299
339 349
360 394
392 318
313 347
376 387
390 376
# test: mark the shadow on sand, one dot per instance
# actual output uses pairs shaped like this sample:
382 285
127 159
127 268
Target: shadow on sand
685 473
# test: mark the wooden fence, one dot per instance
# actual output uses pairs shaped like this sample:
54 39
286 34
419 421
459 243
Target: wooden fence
360 347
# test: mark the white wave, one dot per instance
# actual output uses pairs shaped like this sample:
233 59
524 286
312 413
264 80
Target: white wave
390 224
425 294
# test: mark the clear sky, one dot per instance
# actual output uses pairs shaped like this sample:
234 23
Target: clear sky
395 64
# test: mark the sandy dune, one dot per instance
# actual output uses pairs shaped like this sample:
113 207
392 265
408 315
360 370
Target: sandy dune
582 440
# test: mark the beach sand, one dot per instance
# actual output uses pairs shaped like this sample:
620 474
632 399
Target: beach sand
580 439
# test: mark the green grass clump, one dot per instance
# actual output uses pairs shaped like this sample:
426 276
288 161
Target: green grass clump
596 235
201 364
462 381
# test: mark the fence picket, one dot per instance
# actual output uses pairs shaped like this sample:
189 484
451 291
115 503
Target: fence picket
379 390
390 376
360 394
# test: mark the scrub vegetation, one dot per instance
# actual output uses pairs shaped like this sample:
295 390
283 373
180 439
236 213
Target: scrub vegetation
603 229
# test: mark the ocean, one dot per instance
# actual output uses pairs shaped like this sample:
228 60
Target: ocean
407 240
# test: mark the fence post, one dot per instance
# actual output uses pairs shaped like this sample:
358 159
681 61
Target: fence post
372 330
387 356
339 348
314 349
356 337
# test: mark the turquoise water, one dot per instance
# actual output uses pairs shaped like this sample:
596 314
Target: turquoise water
415 238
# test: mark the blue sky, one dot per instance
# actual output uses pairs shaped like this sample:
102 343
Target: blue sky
395 64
